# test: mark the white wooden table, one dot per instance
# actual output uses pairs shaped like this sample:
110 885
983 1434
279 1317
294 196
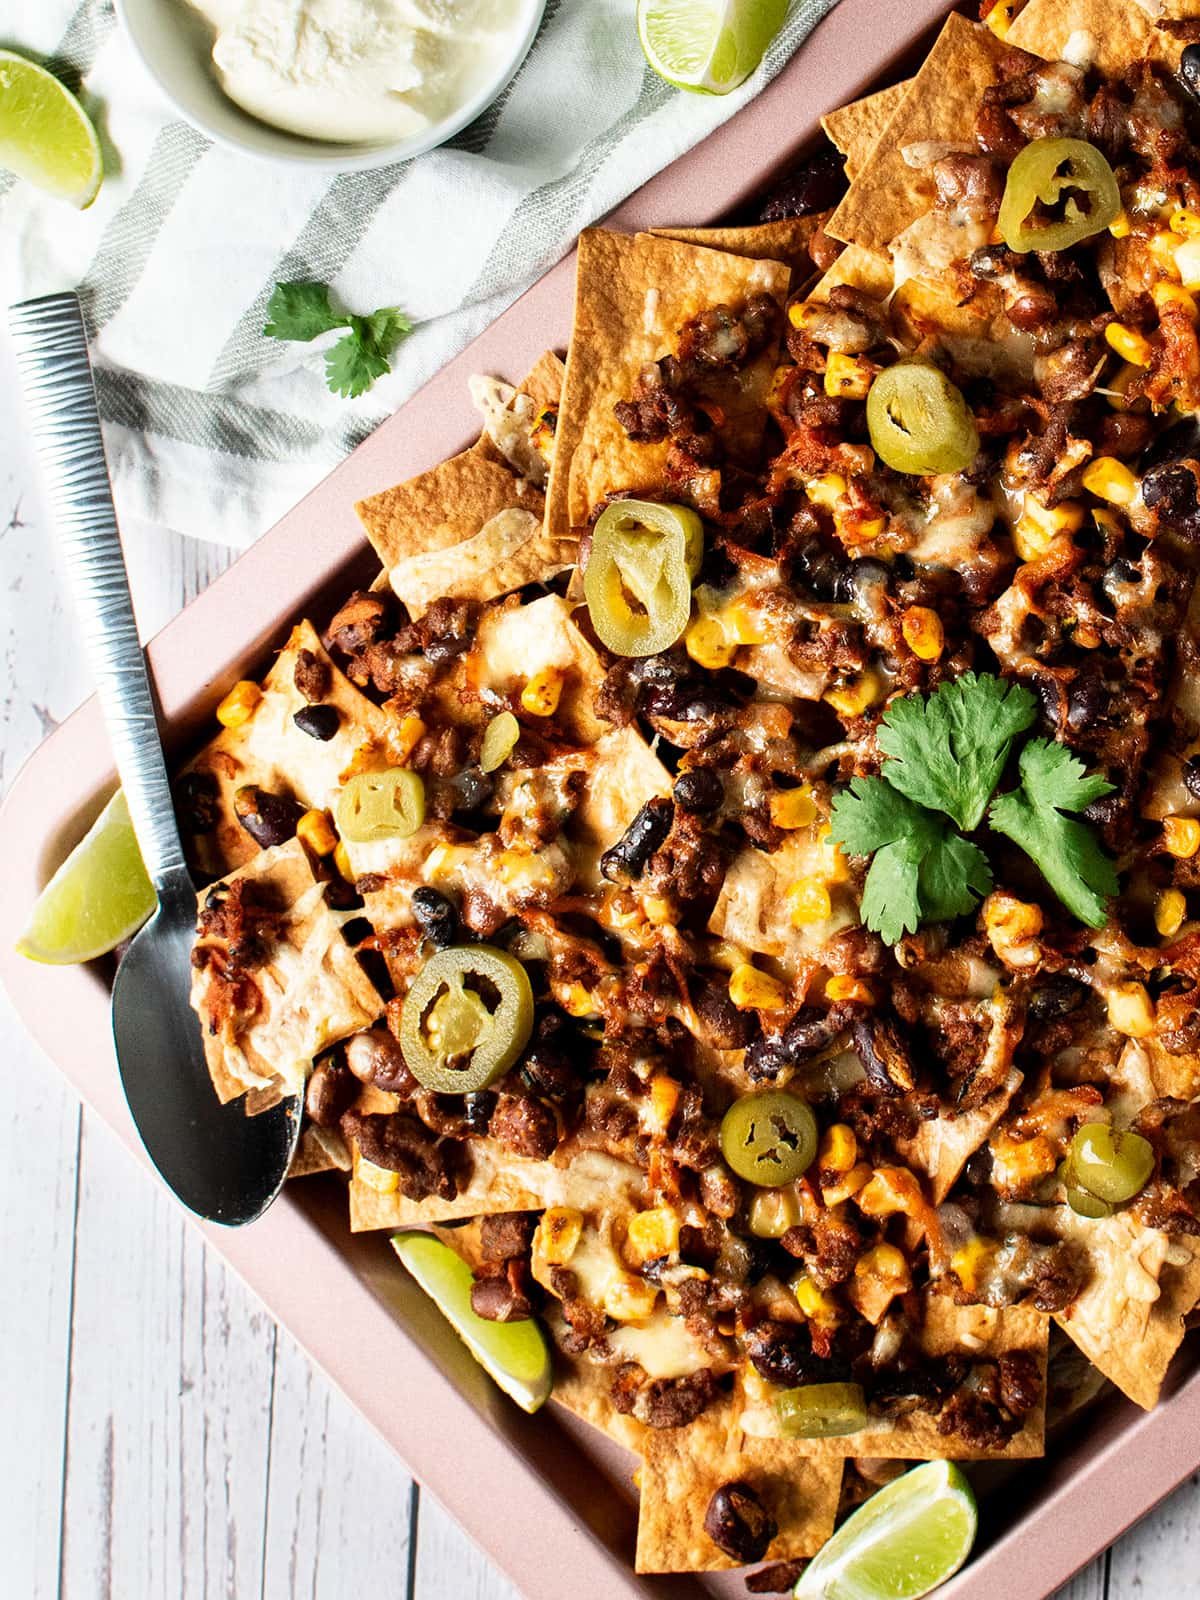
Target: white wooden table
160 1437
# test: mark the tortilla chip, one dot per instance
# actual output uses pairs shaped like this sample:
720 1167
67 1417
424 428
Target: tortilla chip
1129 1319
515 641
1120 32
753 909
475 507
626 773
510 413
582 1388
271 751
315 997
1165 793
787 240
633 294
319 1150
855 129
499 1182
940 105
868 270
977 1332
683 1467
941 1148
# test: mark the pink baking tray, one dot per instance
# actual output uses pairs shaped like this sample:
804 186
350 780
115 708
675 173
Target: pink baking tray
546 1497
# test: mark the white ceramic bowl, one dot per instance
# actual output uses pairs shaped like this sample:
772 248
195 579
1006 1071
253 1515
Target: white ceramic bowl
175 43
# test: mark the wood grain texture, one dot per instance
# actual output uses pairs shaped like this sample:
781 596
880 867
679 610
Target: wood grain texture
162 1440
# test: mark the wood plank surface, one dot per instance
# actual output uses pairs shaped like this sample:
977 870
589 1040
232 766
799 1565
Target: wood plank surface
161 1439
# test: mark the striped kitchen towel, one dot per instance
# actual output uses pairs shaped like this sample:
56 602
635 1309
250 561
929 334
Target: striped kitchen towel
214 430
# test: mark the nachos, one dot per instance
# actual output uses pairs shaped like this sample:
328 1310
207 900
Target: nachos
738 863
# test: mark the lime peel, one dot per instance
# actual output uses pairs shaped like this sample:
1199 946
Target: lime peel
908 1538
707 46
99 897
46 137
515 1354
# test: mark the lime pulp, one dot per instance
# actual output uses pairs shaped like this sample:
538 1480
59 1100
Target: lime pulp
707 46
45 134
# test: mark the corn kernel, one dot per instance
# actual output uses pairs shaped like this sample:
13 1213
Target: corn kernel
1173 295
239 705
862 531
1012 928
664 1097
1129 344
407 737
773 1212
1187 261
884 1261
853 698
1169 911
377 1178
752 990
846 1187
1131 1010
315 830
559 1233
793 808
1110 480
1000 18
814 1302
341 860
923 632
542 692
708 644
808 902
838 1150
891 1189
843 987
1162 247
827 490
1039 525
1181 836
629 1299
1024 1161
970 1263
837 868
798 314
1120 227
743 624
1185 221
578 1001
847 377
652 1234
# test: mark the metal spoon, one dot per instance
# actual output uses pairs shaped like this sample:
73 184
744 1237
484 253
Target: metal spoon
227 1167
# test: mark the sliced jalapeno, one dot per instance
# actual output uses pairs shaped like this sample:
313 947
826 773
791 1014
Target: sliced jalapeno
381 805
1111 1166
821 1410
638 581
466 1018
1080 1201
1058 192
770 1138
499 741
919 422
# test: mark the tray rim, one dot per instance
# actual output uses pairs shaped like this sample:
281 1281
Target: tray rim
1088 1495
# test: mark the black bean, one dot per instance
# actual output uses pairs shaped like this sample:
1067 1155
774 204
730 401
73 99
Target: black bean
500 1298
472 789
435 916
1056 996
477 1110
738 1523
331 1090
1191 776
992 261
197 799
318 722
815 185
1086 701
269 819
698 790
1189 70
1170 491
881 1046
627 858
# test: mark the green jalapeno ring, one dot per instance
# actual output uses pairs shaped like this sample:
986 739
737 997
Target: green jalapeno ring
650 552
919 421
381 805
499 741
1079 1199
821 1410
1112 1166
444 1022
1046 172
769 1138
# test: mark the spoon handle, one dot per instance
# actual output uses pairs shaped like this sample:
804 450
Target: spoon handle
52 356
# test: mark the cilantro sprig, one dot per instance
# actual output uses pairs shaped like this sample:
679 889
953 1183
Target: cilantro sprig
946 753
303 311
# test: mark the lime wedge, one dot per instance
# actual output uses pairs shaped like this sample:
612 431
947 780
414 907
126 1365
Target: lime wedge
99 896
45 135
708 46
909 1537
514 1353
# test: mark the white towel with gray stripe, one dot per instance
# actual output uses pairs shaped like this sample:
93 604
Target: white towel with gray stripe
214 430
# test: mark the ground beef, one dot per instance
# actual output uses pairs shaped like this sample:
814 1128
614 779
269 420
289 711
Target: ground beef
506 1235
662 1402
525 1126
401 1143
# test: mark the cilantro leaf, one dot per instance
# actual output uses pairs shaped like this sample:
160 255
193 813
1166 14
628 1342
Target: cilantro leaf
948 748
1067 853
891 905
301 311
922 871
954 877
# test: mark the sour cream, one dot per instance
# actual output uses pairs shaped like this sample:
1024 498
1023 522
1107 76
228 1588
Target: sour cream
356 71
